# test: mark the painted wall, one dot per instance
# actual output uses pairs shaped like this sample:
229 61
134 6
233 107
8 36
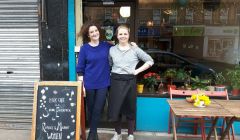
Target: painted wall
153 115
54 60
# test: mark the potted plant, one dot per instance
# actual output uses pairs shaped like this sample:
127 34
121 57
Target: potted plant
233 76
181 74
150 80
198 83
219 82
169 75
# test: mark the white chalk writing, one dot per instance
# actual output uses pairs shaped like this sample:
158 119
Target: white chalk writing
55 130
54 136
56 100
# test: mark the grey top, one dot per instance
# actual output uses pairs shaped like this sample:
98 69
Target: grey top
125 61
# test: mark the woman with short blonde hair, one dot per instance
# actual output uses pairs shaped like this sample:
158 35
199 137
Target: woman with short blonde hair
122 97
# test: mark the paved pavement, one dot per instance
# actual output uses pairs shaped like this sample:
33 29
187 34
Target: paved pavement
104 134
15 134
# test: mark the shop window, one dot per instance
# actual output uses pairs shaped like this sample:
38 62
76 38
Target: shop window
205 32
154 30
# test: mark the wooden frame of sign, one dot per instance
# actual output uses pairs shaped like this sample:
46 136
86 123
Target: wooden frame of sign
57 110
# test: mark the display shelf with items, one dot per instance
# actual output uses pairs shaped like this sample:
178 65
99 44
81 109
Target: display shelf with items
153 29
145 31
152 38
145 15
155 43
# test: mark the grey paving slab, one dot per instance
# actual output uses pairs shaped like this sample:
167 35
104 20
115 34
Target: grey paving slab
15 134
104 134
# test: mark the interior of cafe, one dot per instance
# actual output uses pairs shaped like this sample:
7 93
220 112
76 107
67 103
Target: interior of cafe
194 44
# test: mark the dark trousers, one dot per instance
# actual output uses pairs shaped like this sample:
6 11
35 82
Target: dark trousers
95 101
122 101
131 125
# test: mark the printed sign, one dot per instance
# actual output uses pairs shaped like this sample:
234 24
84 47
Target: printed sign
188 30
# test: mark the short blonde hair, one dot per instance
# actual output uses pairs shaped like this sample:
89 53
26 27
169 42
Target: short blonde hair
124 27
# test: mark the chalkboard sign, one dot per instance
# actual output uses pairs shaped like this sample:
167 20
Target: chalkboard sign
56 110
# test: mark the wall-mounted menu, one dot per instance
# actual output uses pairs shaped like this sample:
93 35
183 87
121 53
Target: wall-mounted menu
56 112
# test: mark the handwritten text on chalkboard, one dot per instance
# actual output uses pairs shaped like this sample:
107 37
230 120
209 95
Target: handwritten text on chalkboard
56 113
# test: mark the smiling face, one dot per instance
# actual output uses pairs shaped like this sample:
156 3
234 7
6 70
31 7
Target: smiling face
123 35
93 33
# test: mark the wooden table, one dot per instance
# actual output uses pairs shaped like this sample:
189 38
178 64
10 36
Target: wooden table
233 106
183 108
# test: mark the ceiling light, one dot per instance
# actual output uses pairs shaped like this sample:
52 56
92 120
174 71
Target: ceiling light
125 11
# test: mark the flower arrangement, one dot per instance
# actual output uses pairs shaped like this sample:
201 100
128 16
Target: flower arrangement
151 79
200 100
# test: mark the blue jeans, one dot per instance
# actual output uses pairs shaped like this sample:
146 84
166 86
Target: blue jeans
95 101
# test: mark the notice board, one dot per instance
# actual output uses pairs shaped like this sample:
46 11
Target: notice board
56 110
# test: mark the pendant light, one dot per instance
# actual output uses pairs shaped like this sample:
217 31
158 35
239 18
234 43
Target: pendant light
125 11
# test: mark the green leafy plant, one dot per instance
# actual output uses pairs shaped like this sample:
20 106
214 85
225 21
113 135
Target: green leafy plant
170 74
151 79
185 76
219 79
233 76
198 83
181 74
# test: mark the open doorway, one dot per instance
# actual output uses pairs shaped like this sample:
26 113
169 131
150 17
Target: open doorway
108 16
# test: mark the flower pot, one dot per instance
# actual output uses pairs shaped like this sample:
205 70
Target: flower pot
172 87
219 88
235 92
140 88
211 88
